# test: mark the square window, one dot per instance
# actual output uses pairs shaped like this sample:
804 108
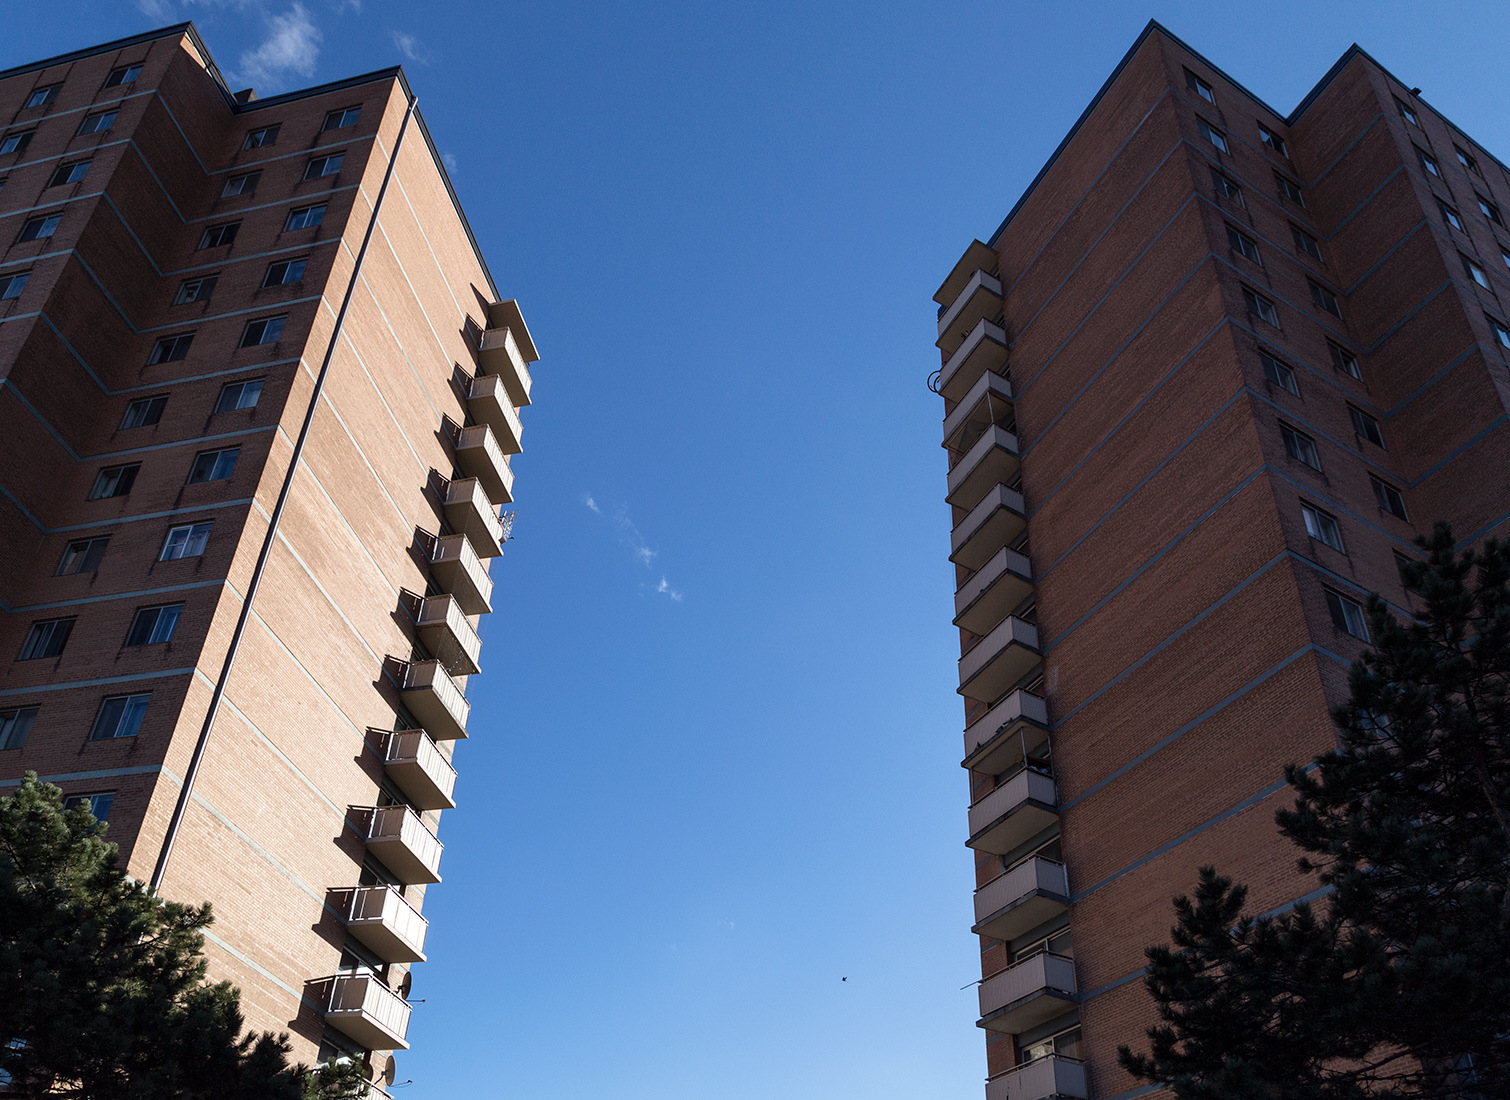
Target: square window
346 116
120 716
196 290
256 139
1304 242
1366 426
1347 615
1322 527
97 124
43 96
324 166
1450 216
1408 114
1344 360
1300 447
1501 333
126 75
1272 140
1226 188
1490 211
15 724
36 229
83 556
1213 135
1199 87
170 349
218 235
46 639
1323 298
1475 272
68 173
187 541
1428 162
1388 498
240 185
144 412
239 395
284 271
1243 244
1505 256
1281 375
15 142
114 481
1289 189
1261 307
153 625
98 805
1467 161
213 465
306 217
263 331
11 286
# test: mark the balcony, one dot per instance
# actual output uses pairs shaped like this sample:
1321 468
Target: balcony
479 456
993 591
506 350
365 1009
979 299
1018 901
470 511
1039 1080
983 351
1014 813
382 919
978 257
444 629
488 403
999 660
975 406
416 766
998 519
457 568
992 460
397 836
432 696
1030 993
1010 730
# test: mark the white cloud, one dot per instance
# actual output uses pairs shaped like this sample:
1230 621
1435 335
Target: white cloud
409 46
449 160
291 47
666 590
630 536
592 504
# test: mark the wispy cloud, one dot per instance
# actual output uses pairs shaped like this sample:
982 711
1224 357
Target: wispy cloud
666 590
449 160
410 47
292 47
629 535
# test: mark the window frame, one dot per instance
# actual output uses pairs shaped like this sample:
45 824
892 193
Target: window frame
133 709
1344 611
302 261
1475 272
1306 243
336 120
1273 141
1319 524
39 228
100 122
1386 496
1289 190
1365 426
240 389
305 212
1451 216
1298 445
126 74
203 287
190 533
86 553
22 139
1323 299
1257 304
1408 113
209 466
1490 210
15 726
1217 137
1429 163
274 324
1227 188
1279 373
118 480
47 638
1501 333
323 162
95 800
149 629
224 235
1344 360
68 167
245 185
151 406
265 136
48 92
171 349
1243 244
1200 87
1467 160
13 284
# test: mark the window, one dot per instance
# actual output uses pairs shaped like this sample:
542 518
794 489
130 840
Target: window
1272 140
43 96
195 290
120 716
1366 426
346 116
1261 307
68 173
1281 375
306 217
1505 256
1490 211
16 143
97 804
1450 216
11 286
1226 188
1467 161
46 639
213 465
1475 272
1289 189
1322 298
1501 333
144 412
127 75
97 124
1066 1044
324 166
1408 115
15 724
114 481
218 235
1243 244
1343 360
1213 135
1199 87
1347 615
1300 446
284 271
240 185
263 331
1304 242
83 556
154 624
37 228
170 349
1322 527
1428 162
185 542
256 139
239 395
1388 498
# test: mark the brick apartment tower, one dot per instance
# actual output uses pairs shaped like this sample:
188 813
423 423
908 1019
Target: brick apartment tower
1222 365
258 393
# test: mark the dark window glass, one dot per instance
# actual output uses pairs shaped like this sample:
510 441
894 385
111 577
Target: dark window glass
1213 135
1281 375
144 412
239 395
1300 446
1306 243
1428 162
15 142
43 96
1366 426
284 271
1321 526
126 75
11 286
256 139
213 465
1491 211
1226 188
1449 215
68 173
83 556
346 116
1199 87
306 217
1467 161
1501 333
153 625
1289 189
196 290
1475 272
1388 498
1272 140
170 349
1408 114
97 124
15 724
263 331
46 639
37 228
218 235
1261 307
98 805
1347 615
114 481
240 185
1243 244
120 716
1323 298
1344 360
187 541
324 166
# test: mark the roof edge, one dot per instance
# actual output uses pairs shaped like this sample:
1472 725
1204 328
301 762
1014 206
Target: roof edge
105 47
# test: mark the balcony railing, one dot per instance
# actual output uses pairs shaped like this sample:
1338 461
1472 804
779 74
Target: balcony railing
992 459
1000 659
458 569
479 456
366 1010
382 919
507 348
414 763
444 629
1039 1080
470 511
993 590
1027 994
980 298
436 700
397 836
1014 813
488 402
998 388
996 742
998 519
983 350
1021 899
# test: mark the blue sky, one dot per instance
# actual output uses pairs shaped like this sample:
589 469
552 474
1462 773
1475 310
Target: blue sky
713 768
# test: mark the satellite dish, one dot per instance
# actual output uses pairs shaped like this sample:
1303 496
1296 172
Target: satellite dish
405 983
390 1070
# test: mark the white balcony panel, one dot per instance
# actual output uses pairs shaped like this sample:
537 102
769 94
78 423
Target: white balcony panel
1039 1080
993 591
432 696
1015 812
456 567
416 765
996 662
382 919
447 634
984 350
488 402
479 456
998 519
991 384
397 836
978 257
1021 899
470 511
979 299
366 1010
1028 994
995 743
991 460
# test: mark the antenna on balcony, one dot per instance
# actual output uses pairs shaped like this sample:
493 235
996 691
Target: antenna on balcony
507 522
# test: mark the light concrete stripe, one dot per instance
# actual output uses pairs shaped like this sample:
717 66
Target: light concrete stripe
105 681
288 763
98 773
210 935
142 593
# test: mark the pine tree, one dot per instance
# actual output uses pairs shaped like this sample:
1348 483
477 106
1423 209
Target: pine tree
105 994
1397 985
